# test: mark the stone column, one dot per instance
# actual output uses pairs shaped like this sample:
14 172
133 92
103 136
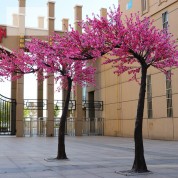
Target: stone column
15 22
40 104
41 22
79 113
20 82
13 89
77 17
65 27
65 24
40 88
103 12
50 80
20 108
15 18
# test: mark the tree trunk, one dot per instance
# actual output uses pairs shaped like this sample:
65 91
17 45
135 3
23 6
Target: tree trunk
139 164
61 154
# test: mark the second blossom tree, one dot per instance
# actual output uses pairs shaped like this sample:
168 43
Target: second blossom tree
135 45
53 59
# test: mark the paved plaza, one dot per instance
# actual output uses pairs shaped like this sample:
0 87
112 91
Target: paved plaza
89 157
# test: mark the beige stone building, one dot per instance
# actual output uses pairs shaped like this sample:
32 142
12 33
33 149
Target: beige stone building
120 96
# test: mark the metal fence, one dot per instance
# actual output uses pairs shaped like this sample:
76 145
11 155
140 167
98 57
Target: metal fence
34 126
7 116
93 126
70 126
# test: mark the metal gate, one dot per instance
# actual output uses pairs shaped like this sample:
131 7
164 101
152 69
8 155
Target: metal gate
7 116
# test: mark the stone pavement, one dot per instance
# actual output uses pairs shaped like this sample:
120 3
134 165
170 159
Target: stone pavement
89 157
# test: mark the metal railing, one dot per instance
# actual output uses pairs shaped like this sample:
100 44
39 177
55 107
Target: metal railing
70 129
71 126
7 116
56 125
93 126
34 126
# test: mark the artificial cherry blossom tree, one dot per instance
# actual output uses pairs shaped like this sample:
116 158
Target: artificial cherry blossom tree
137 45
54 58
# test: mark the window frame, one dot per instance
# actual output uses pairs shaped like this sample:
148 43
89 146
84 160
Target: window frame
165 20
169 103
144 6
149 98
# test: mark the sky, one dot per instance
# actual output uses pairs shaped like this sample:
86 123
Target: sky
35 8
63 9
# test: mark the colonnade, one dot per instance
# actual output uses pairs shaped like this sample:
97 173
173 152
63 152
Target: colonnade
17 87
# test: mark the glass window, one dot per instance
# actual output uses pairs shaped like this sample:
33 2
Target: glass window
169 95
165 20
149 97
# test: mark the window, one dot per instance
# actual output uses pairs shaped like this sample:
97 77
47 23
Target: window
144 5
169 95
149 97
165 20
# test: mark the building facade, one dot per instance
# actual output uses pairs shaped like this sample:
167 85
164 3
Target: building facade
120 96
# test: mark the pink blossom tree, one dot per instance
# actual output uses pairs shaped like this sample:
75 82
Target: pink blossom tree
54 59
137 45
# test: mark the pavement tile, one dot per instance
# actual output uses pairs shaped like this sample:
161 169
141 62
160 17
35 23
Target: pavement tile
89 157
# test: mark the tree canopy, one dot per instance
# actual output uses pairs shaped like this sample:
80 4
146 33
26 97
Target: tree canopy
132 42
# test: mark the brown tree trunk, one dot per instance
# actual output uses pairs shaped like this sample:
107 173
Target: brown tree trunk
139 164
61 154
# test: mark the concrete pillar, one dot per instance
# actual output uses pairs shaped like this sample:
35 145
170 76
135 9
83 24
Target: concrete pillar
15 22
51 17
77 17
22 4
20 108
79 113
40 95
50 106
40 88
103 12
40 85
13 89
65 24
20 82
15 18
22 23
41 22
50 80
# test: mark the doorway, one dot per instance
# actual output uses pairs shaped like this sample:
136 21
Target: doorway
91 114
